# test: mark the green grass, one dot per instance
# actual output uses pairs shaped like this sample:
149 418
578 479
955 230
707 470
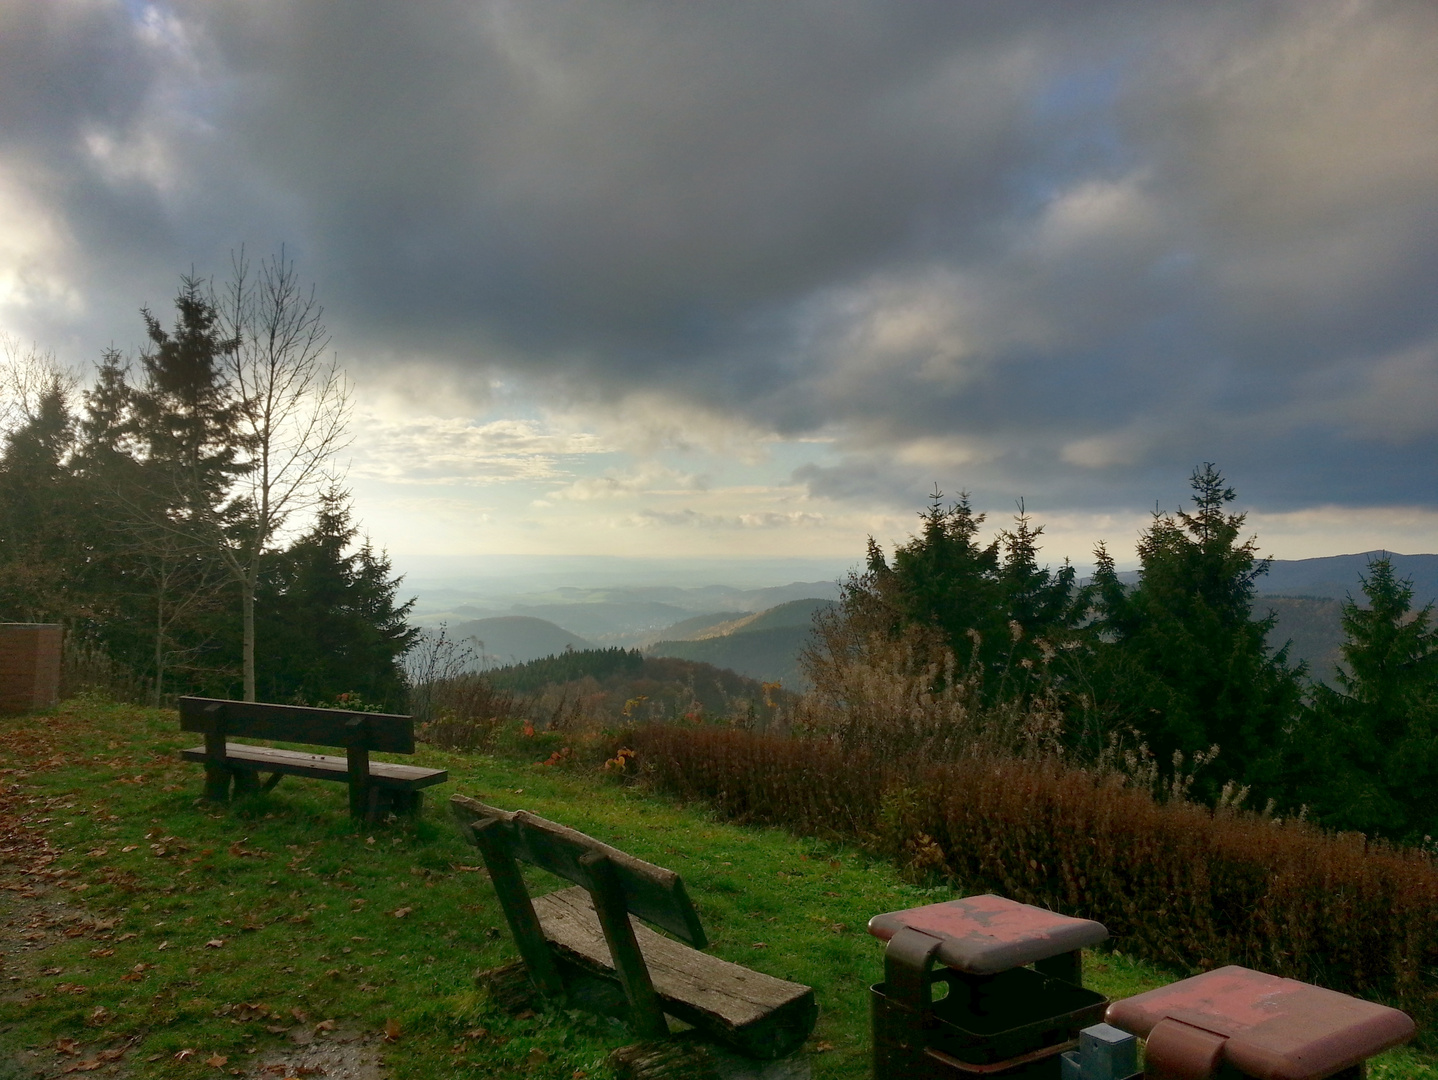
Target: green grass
320 919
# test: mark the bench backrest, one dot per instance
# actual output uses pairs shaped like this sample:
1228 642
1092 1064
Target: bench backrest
384 732
654 894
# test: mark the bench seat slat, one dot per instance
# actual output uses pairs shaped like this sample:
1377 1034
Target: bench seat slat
762 1014
320 766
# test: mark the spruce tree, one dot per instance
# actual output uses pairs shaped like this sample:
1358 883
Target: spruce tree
1185 662
330 618
41 513
1369 751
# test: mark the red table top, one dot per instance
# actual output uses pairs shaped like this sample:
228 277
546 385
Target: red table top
984 935
1276 1029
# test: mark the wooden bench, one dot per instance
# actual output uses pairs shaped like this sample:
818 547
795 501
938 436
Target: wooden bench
376 787
589 928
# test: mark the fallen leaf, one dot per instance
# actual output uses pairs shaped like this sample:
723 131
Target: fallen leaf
162 946
276 1029
131 976
67 1046
53 971
98 853
215 943
758 945
369 840
299 1014
113 1054
89 1065
99 1016
822 1047
391 1029
126 937
525 1014
400 913
130 847
185 1054
476 1033
324 1025
102 952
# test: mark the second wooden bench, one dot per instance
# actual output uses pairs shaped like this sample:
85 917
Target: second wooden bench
589 926
376 787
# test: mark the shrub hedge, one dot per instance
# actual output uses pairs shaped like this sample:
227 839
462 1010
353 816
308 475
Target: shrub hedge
1173 881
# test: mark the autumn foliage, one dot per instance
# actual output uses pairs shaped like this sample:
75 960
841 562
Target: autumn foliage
1174 881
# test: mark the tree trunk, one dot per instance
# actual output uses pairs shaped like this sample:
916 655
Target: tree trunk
248 583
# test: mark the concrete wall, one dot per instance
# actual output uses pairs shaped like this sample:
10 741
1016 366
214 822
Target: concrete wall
29 666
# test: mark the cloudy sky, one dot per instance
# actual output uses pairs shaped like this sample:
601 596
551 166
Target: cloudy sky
748 279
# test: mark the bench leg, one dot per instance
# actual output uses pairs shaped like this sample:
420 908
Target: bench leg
508 882
217 783
362 801
247 782
275 778
646 1016
404 802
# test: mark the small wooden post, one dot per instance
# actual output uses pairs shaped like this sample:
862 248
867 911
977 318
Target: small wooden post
646 1016
217 773
508 882
357 755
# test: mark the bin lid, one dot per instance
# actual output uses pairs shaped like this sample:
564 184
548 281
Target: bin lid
1275 1028
986 934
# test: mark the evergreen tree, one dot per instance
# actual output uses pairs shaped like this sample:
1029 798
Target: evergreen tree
1370 747
991 605
40 512
184 423
1186 663
330 621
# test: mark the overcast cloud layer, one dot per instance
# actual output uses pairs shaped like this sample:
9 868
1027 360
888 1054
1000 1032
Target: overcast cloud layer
804 258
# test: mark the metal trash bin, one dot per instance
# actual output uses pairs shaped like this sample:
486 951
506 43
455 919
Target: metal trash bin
1237 1021
1000 1017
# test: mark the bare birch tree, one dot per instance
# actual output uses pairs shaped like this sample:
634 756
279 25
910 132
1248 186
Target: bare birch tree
294 416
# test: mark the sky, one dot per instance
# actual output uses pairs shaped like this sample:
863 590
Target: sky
747 280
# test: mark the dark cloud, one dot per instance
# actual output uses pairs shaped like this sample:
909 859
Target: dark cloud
1027 247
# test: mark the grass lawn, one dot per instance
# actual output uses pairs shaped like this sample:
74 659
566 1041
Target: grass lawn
148 934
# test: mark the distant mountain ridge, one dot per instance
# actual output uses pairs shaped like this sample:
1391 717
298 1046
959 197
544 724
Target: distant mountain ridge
514 639
765 645
1339 576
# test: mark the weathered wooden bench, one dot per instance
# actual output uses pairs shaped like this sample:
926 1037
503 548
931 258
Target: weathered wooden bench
588 928
376 787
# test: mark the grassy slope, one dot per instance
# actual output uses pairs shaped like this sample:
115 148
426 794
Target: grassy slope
307 908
